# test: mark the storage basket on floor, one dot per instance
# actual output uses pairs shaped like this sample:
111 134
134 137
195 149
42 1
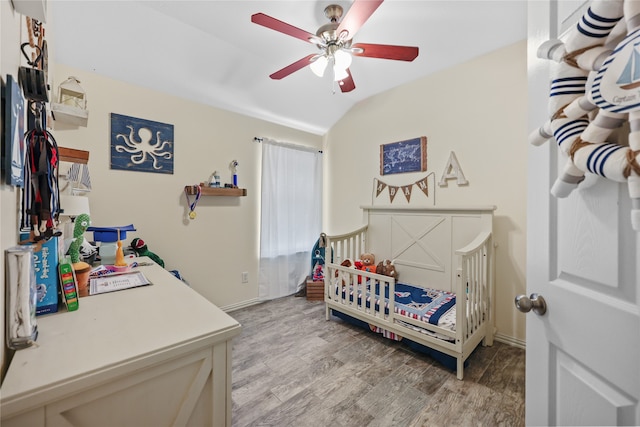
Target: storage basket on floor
315 291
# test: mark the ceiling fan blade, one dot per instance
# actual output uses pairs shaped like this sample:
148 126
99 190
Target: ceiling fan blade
283 27
347 84
292 68
357 15
385 51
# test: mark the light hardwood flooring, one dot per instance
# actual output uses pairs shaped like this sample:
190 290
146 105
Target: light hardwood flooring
291 367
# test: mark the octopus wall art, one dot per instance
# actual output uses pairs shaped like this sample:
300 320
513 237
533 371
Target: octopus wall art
141 145
594 99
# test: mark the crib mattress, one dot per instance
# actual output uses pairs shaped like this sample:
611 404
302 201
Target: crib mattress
427 305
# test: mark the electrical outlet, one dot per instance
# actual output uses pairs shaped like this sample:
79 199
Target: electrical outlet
245 277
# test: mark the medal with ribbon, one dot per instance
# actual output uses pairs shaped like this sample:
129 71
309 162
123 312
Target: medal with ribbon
192 205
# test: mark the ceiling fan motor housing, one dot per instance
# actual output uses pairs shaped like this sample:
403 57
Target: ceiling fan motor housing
328 32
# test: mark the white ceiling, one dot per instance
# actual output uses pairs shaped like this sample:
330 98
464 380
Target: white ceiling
210 51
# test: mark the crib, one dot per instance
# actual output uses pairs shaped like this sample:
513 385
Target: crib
444 253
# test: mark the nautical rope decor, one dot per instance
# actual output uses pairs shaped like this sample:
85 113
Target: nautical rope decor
594 91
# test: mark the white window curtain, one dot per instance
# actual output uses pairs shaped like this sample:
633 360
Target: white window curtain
291 216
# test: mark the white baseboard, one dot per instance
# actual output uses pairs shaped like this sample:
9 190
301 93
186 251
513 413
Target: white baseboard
239 305
510 340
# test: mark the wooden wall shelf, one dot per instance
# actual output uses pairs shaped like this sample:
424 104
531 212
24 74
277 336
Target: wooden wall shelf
72 155
215 191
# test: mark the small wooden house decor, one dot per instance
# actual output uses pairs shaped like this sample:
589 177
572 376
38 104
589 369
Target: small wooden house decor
72 103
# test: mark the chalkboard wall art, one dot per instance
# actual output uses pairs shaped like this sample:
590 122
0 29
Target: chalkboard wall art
404 156
141 145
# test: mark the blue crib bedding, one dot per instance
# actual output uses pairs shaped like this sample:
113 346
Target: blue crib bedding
431 306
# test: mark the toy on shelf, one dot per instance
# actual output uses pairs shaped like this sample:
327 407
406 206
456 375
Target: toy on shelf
234 170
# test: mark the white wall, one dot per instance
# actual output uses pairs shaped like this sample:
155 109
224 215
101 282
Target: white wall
478 110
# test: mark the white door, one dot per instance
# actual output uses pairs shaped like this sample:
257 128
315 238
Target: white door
583 354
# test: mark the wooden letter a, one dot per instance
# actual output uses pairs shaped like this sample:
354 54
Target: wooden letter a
452 170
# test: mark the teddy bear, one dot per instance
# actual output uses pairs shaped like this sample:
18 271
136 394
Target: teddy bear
368 261
387 268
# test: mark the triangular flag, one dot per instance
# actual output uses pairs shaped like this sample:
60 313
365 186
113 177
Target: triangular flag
424 186
381 186
406 189
393 190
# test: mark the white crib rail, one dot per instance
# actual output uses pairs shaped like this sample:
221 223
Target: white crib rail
477 284
361 291
346 246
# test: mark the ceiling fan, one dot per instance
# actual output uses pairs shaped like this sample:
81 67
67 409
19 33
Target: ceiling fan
335 43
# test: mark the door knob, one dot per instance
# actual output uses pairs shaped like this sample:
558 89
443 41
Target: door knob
535 302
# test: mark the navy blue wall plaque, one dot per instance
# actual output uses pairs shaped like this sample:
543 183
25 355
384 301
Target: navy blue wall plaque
404 156
141 145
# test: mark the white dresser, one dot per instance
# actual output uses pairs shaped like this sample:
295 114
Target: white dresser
157 355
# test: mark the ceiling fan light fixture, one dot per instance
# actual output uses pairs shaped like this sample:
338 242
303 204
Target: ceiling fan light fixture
339 73
342 59
319 65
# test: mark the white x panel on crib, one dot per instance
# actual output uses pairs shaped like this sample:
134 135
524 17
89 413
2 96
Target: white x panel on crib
422 243
417 247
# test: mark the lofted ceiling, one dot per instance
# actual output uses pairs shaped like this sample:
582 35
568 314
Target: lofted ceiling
210 52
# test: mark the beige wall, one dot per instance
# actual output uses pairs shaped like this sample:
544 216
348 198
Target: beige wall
478 110
213 250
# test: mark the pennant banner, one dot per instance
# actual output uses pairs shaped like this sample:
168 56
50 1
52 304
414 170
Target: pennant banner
392 192
406 189
424 186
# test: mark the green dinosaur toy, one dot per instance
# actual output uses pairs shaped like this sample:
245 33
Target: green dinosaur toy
140 248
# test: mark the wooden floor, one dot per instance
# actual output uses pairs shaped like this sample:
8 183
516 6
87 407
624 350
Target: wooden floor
291 367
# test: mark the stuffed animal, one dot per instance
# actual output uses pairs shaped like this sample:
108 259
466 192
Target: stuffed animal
387 268
368 262
140 249
344 276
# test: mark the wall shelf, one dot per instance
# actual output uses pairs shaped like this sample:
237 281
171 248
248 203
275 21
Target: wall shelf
72 155
215 191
